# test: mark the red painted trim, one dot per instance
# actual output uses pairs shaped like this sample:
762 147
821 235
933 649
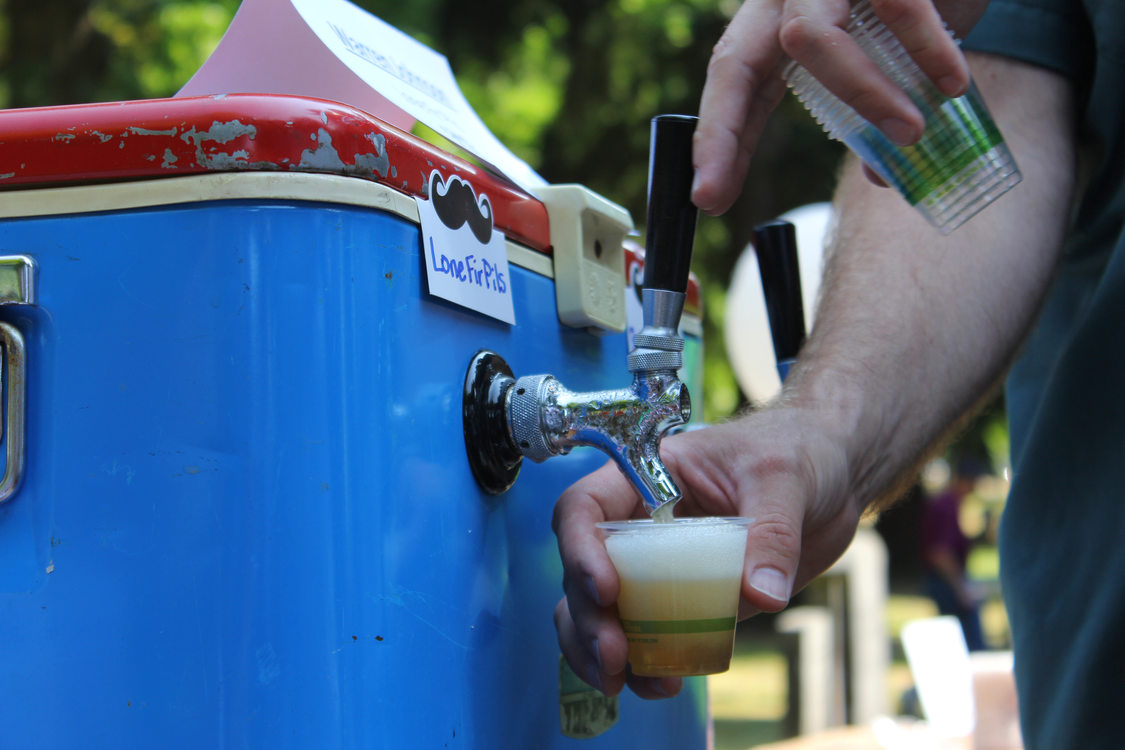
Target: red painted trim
694 302
91 143
240 132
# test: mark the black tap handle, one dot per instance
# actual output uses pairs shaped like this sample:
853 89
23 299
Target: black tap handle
776 246
670 229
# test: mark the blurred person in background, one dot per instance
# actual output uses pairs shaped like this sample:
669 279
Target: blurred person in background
946 548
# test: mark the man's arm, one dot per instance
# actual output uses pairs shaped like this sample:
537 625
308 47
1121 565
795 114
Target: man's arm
912 330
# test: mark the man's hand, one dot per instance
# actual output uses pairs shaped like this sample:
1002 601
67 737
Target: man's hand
744 84
759 467
912 329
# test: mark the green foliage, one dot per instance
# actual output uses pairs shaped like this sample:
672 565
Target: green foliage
71 51
158 45
520 96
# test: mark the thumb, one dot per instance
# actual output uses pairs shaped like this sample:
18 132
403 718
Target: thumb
773 553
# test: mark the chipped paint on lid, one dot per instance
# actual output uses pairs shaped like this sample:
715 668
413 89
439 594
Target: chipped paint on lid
91 143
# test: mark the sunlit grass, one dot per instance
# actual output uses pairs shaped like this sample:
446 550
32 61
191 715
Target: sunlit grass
984 563
750 702
754 688
901 609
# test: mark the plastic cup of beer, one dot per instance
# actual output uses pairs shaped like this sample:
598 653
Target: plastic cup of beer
680 588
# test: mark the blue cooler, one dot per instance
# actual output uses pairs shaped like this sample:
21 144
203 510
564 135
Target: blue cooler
237 506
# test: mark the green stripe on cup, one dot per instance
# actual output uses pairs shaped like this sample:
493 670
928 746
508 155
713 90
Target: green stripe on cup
712 625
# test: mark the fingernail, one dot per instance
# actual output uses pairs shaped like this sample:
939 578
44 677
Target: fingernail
593 676
657 685
592 590
771 582
898 131
597 653
951 86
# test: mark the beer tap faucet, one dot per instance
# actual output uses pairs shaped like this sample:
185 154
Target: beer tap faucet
775 244
535 416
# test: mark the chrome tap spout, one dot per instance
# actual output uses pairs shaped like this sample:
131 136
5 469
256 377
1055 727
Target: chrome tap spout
547 419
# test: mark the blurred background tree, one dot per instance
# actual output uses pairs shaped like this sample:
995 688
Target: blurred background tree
569 85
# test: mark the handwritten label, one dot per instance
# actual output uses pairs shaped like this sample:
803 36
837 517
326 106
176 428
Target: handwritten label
466 258
413 77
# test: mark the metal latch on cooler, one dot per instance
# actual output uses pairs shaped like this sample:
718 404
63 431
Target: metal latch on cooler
587 236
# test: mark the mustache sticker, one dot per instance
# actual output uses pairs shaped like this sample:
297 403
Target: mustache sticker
456 204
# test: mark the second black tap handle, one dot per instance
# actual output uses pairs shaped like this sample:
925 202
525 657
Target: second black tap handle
670 229
776 245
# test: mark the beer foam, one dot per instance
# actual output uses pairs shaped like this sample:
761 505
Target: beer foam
682 550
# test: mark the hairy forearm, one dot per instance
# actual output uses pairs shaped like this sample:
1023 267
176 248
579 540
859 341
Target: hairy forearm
913 329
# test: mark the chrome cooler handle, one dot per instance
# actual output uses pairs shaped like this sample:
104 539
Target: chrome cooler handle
15 371
17 287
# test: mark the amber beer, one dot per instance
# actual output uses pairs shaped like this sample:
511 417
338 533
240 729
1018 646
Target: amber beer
680 584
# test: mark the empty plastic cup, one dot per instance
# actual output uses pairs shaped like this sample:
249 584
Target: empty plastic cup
960 165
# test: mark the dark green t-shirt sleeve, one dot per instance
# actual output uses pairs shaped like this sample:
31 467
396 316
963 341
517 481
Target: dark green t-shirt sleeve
1053 34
